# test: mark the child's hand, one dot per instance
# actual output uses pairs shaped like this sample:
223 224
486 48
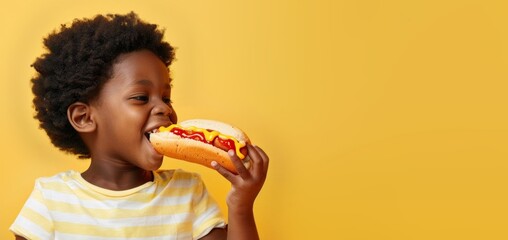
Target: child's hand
246 185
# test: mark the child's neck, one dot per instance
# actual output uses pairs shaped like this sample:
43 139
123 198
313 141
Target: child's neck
115 178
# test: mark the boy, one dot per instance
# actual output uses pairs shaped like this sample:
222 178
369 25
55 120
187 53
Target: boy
101 87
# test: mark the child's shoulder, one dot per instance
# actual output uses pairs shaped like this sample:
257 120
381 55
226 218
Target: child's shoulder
59 177
58 182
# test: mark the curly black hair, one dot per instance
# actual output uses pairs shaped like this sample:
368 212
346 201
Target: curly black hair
79 61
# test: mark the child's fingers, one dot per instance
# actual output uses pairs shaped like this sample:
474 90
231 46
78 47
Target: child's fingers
240 168
223 171
264 157
259 160
255 158
257 170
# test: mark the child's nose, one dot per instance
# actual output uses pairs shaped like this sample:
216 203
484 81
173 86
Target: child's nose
162 108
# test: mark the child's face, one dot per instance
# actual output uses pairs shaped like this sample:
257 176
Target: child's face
133 102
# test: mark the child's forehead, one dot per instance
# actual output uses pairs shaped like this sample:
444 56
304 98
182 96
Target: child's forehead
138 61
141 68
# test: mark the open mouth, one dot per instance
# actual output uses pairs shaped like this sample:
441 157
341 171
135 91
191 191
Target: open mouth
147 134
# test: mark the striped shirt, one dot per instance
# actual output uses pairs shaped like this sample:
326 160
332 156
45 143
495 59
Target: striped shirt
175 205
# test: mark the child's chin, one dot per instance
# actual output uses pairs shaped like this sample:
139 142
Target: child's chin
154 164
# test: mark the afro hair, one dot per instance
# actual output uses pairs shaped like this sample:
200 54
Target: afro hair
79 61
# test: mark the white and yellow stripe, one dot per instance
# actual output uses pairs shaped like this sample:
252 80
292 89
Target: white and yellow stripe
175 205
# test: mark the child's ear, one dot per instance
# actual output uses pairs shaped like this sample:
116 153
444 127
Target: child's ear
80 117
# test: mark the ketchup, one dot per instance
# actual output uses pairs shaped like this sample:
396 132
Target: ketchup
228 143
225 144
198 136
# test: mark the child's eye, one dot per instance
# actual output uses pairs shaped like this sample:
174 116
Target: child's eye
167 100
140 98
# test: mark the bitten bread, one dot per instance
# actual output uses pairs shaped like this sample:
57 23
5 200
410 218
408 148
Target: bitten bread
202 141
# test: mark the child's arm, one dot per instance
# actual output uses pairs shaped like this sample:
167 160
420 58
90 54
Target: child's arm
244 189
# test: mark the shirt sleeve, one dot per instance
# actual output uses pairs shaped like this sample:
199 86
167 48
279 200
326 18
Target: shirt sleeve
206 211
34 220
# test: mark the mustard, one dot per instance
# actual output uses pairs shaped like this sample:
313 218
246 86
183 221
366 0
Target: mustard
209 136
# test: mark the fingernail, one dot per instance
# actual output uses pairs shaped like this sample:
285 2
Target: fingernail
231 152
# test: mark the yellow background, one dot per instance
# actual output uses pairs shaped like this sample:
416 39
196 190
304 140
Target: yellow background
384 119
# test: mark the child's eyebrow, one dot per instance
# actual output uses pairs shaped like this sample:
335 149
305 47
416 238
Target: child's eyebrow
149 83
143 83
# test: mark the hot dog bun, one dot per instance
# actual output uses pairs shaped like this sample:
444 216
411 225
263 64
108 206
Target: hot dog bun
167 142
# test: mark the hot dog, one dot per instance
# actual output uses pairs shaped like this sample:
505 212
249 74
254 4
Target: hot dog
202 141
